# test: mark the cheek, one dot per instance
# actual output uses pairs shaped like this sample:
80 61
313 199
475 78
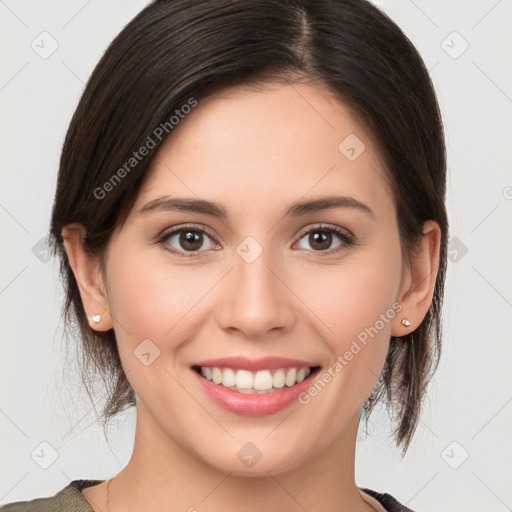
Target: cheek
351 306
151 301
154 310
348 300
354 306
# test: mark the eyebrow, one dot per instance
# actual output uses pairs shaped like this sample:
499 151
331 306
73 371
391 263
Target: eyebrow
296 209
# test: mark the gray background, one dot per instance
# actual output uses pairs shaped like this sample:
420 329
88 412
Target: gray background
461 455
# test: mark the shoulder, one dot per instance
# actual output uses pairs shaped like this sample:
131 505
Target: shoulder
68 499
390 503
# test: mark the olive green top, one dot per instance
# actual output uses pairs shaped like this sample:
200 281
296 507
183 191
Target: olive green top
71 499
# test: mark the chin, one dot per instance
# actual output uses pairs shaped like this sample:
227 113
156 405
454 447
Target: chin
248 461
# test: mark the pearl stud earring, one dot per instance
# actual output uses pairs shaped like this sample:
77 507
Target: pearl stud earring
96 319
406 322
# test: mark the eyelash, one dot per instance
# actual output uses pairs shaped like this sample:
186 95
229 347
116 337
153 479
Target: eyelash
347 239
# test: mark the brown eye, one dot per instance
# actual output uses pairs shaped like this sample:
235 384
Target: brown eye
321 239
191 240
183 240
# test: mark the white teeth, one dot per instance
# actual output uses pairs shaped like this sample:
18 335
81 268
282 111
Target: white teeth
291 377
206 372
228 377
301 374
278 379
262 381
217 375
244 379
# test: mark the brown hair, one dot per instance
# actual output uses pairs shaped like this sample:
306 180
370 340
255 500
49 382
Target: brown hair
175 51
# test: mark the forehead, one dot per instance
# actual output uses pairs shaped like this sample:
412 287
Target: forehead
247 144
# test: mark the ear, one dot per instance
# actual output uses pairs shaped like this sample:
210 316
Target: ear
419 281
86 269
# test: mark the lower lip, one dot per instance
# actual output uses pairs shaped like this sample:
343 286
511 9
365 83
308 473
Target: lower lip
254 404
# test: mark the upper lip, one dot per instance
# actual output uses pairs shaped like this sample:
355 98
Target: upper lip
263 363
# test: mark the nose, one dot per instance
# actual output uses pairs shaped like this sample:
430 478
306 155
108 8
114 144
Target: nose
255 298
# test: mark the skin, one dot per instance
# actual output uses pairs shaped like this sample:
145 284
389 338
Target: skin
253 152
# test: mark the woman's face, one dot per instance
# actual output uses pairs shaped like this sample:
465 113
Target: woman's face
262 281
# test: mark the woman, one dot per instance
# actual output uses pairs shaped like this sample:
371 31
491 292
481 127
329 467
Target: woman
252 230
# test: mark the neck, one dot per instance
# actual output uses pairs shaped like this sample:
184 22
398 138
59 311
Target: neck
161 473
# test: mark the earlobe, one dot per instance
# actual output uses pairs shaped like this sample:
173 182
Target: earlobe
87 273
418 288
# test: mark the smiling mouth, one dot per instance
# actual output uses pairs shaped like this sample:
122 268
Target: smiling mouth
256 382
